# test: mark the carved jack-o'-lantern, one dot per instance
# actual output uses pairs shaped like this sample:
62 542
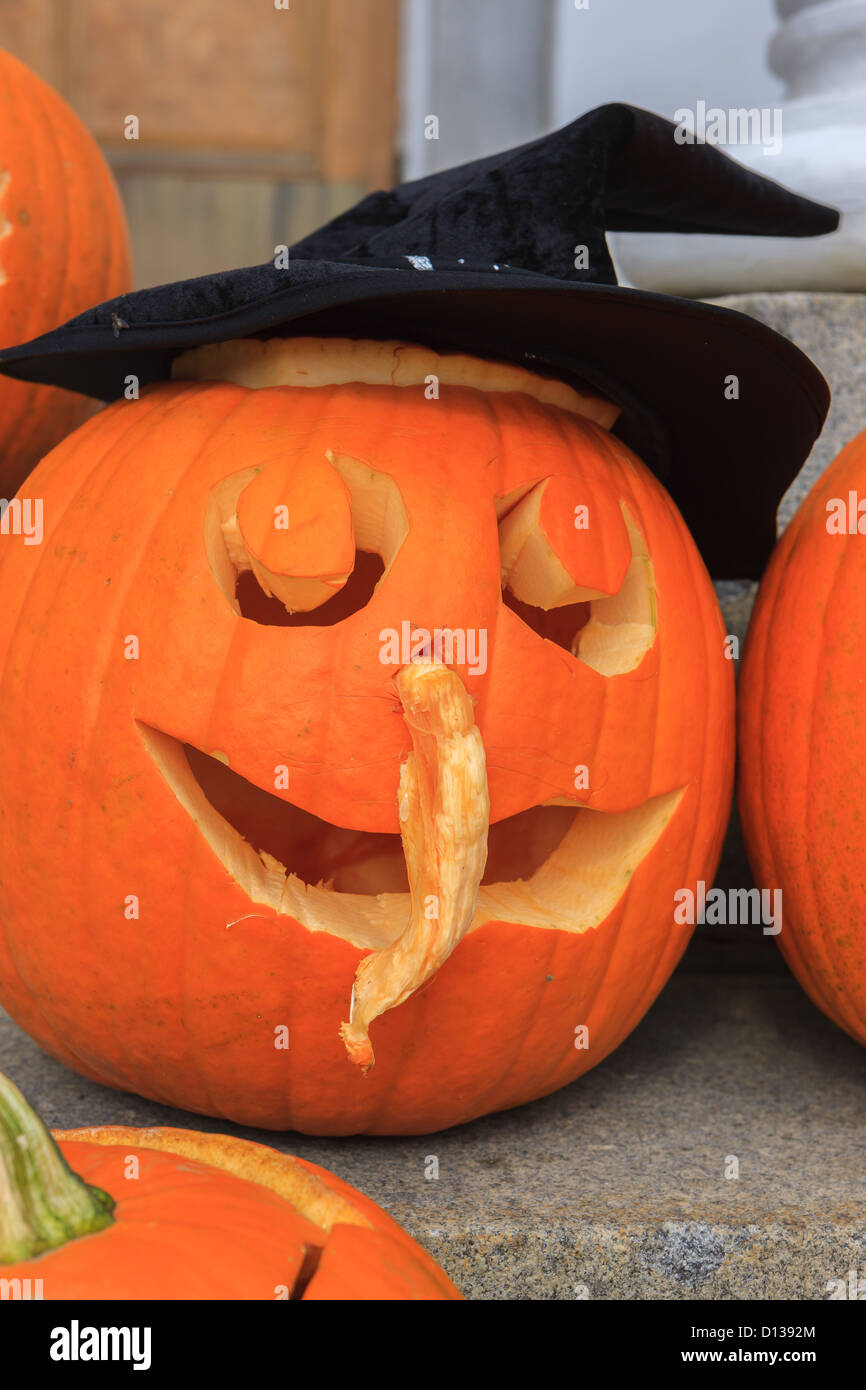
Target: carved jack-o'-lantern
356 739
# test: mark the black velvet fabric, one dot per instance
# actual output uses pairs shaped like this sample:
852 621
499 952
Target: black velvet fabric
617 168
482 258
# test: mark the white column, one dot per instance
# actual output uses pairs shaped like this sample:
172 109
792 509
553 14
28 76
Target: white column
482 70
819 50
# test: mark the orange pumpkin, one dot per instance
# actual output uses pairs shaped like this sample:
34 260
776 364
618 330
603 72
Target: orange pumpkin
121 1213
236 731
802 732
64 245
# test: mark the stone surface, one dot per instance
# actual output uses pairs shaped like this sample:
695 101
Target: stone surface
831 329
615 1187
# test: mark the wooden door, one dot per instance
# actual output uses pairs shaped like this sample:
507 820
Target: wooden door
233 126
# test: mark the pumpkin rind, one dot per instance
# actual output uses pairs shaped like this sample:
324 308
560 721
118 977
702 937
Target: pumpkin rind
64 246
207 1216
183 1003
802 744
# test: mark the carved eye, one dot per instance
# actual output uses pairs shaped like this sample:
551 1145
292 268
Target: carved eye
304 535
576 569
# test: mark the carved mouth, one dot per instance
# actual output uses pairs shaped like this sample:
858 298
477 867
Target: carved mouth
568 866
563 867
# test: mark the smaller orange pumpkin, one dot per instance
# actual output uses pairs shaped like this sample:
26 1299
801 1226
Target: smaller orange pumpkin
802 739
64 245
102 1214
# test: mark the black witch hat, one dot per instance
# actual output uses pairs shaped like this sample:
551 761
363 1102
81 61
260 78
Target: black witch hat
506 257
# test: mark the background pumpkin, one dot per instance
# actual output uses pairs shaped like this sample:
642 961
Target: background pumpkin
64 245
802 739
147 781
121 1213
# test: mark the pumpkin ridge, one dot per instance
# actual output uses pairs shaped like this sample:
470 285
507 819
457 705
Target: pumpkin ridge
5 222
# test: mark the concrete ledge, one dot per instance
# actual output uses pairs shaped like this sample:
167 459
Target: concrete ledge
615 1187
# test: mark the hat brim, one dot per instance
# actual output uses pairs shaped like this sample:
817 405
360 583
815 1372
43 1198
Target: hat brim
726 453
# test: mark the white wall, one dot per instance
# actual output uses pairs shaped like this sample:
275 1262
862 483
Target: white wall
499 72
661 54
483 68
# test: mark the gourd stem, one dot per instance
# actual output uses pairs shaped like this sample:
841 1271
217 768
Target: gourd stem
43 1204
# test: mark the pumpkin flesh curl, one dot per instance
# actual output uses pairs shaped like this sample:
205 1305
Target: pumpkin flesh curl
444 814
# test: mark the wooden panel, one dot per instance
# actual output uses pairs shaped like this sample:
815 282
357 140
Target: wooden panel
257 124
32 30
210 73
359 106
311 89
